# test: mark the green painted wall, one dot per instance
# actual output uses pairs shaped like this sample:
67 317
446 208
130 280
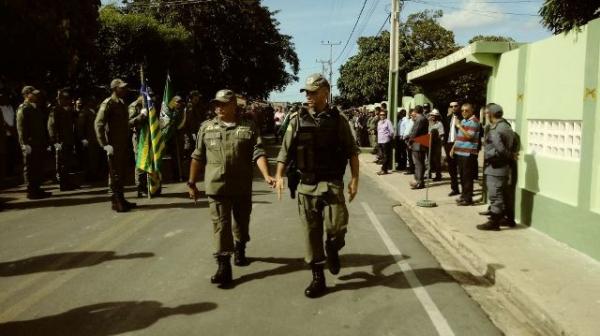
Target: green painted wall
556 80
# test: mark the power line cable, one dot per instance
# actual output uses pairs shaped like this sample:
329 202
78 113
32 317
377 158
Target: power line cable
352 32
384 23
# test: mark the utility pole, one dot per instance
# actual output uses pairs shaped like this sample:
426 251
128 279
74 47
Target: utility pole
323 66
331 44
393 70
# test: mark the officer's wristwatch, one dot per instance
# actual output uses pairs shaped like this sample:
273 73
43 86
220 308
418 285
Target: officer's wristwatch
190 184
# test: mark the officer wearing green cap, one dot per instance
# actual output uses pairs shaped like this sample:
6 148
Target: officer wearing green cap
319 139
112 130
226 148
61 129
32 130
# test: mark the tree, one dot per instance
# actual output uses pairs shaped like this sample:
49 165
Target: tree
46 42
364 77
563 15
491 38
234 44
126 41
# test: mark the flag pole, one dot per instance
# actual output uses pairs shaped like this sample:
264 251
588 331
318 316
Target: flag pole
148 189
426 203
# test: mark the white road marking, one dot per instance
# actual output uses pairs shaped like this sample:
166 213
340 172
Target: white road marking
438 320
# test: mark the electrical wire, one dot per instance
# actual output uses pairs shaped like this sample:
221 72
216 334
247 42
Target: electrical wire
352 32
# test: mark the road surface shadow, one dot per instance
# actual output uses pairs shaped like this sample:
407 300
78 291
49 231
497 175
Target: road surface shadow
63 261
103 319
362 279
55 202
189 204
290 265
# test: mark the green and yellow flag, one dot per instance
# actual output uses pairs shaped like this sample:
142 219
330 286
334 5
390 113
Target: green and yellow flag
154 136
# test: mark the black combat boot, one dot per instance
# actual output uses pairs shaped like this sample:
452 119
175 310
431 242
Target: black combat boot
493 224
317 286
142 191
223 275
124 201
117 205
239 254
333 258
38 193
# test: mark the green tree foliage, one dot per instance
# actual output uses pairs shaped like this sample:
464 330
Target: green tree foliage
467 87
235 44
563 15
127 41
364 77
491 38
46 42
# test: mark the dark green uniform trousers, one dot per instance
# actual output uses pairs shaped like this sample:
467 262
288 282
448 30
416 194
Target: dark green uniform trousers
224 230
33 168
325 212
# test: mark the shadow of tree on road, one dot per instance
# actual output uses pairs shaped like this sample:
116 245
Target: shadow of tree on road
63 261
103 319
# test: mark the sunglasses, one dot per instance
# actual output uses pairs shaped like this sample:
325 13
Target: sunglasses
453 105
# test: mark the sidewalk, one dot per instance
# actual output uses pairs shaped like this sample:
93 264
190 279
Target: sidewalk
555 288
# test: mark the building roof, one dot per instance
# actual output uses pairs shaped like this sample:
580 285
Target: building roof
477 55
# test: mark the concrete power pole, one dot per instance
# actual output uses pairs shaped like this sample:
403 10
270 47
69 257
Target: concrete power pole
331 44
393 71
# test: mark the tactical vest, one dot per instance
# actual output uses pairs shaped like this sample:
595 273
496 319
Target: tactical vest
319 152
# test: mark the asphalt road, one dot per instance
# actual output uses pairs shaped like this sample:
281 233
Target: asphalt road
70 266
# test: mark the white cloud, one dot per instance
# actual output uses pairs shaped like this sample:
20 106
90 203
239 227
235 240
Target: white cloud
472 14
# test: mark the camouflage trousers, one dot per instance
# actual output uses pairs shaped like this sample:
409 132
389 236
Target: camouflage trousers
324 213
225 231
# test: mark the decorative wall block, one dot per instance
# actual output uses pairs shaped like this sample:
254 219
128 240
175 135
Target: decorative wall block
555 138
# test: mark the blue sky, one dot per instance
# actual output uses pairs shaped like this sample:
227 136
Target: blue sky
311 21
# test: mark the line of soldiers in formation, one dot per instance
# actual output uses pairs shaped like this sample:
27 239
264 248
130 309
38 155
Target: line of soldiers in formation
66 128
76 133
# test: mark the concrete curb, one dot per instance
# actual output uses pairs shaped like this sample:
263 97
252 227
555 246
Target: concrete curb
480 264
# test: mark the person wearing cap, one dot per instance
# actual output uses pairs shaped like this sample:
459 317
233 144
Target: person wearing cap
436 130
61 130
320 142
32 138
498 154
112 131
138 117
226 149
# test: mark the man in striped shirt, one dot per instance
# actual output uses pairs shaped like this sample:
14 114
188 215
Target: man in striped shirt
465 151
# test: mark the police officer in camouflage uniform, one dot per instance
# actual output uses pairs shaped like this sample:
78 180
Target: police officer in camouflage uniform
226 148
32 138
320 141
61 129
138 117
499 155
112 131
